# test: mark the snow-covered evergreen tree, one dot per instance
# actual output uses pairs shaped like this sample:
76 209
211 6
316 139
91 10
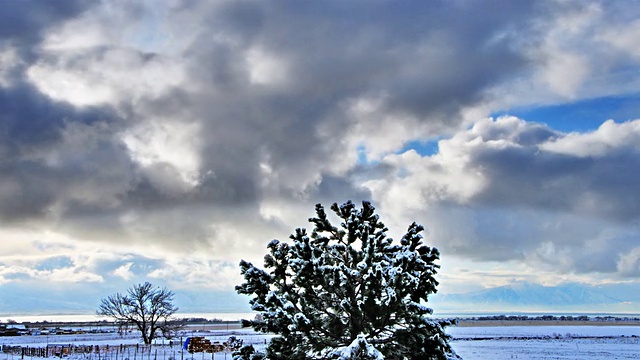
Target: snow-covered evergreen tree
347 292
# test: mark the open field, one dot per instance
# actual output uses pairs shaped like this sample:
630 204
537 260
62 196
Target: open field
492 323
569 342
490 341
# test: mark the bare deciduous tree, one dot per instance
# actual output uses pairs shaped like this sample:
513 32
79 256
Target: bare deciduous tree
146 307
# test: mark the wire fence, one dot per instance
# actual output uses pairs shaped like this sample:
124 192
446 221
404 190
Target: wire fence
109 352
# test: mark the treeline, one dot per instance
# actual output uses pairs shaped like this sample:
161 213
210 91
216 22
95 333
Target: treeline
198 320
552 318
190 320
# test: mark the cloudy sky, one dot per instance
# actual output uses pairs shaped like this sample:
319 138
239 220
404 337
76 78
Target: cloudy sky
164 141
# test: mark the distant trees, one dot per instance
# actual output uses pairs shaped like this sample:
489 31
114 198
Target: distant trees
147 308
346 293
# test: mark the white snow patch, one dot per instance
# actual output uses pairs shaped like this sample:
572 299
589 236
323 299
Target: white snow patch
359 346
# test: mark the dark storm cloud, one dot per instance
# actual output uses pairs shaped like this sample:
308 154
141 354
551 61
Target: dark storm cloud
426 60
547 239
32 127
28 119
27 19
408 57
31 120
422 57
25 22
530 174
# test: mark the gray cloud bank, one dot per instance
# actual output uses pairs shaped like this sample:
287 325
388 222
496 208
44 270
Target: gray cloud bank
511 190
211 127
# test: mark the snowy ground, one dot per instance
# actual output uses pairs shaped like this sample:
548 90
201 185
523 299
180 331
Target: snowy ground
495 343
547 342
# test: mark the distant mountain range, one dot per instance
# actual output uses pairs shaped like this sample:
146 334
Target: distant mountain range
16 299
526 296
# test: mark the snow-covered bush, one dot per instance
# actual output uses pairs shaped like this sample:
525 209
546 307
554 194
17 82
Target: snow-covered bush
347 292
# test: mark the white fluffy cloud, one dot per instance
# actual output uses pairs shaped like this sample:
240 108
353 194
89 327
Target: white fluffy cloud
629 263
610 138
124 271
86 77
170 145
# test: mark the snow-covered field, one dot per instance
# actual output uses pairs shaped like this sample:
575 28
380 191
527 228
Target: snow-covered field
547 342
495 343
123 347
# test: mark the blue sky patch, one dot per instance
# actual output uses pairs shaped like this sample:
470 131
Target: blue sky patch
422 147
57 262
580 116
